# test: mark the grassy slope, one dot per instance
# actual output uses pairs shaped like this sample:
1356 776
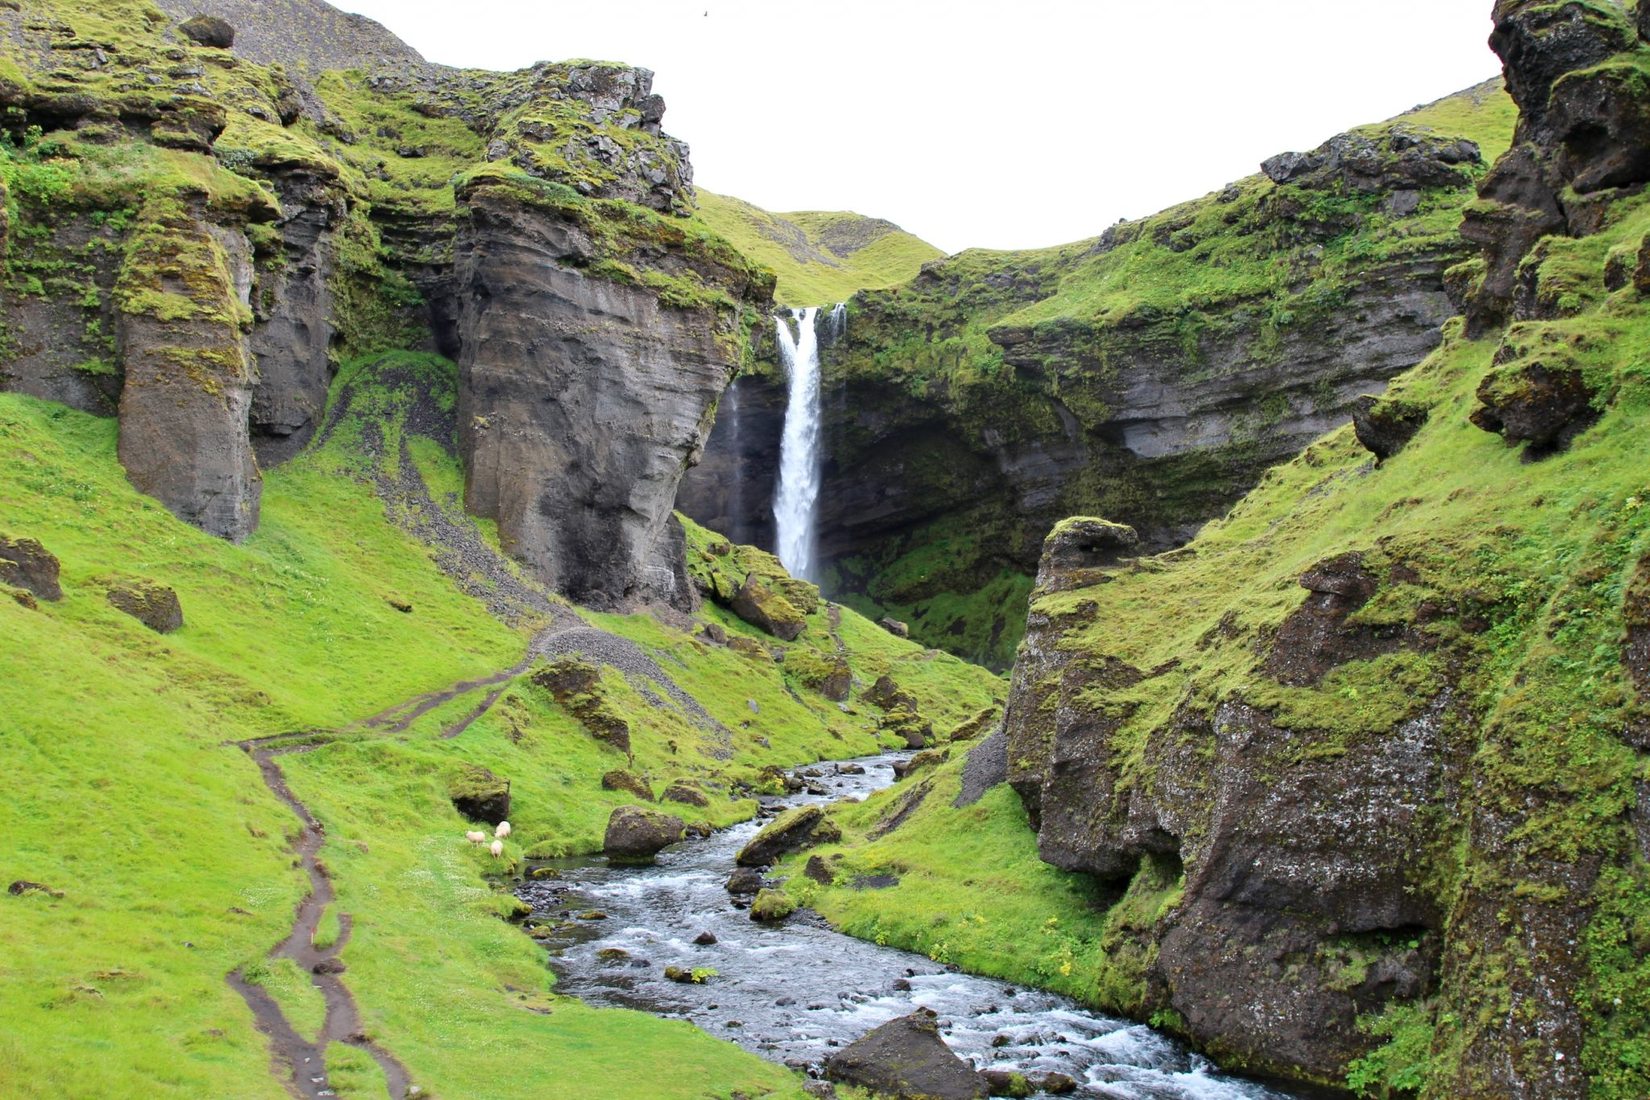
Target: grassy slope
172 856
1183 272
1546 547
819 257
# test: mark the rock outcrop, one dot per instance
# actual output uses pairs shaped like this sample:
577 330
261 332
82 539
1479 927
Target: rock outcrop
1363 807
26 564
154 605
635 834
969 410
907 1060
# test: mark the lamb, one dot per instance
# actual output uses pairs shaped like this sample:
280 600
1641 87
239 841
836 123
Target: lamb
497 848
503 830
475 836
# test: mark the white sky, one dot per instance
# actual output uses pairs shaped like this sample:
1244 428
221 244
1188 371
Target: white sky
1003 125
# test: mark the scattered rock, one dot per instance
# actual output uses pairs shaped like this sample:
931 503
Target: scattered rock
818 870
208 30
479 795
1055 1084
887 695
766 609
927 759
975 725
23 886
686 793
400 605
906 1059
916 730
622 779
613 954
749 647
705 939
895 627
26 564
744 881
714 633
333 965
636 834
850 769
1006 1082
1535 402
785 833
772 905
154 605
1385 424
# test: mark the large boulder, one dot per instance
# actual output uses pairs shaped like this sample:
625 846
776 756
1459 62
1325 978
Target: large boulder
24 563
785 833
635 834
154 605
208 30
1079 549
1541 402
1384 425
621 779
764 607
906 1059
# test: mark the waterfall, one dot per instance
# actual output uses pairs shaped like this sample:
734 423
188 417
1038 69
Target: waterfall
799 461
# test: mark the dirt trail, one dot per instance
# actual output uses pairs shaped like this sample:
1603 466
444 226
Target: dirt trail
306 1060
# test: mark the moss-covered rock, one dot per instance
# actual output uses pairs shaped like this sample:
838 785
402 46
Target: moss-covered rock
772 905
621 779
787 832
153 604
479 795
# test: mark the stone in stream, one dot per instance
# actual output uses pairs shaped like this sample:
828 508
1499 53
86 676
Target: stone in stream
772 905
746 880
705 939
786 833
636 834
907 1060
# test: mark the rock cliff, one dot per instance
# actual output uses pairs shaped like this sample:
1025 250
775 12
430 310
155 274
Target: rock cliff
200 229
1380 726
1151 374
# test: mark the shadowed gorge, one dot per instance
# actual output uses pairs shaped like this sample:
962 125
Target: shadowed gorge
481 620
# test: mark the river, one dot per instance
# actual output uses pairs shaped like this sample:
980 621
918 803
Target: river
791 992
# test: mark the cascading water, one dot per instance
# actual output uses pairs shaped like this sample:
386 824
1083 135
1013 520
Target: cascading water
799 464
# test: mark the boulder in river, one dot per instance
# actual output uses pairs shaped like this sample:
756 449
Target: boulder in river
772 905
785 833
635 834
907 1060
746 880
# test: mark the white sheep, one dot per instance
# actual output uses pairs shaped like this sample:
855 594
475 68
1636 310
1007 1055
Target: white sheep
475 836
497 848
503 830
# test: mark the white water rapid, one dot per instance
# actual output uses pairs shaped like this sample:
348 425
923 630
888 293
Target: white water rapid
799 462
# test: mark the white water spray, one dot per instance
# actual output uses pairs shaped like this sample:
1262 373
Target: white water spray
799 463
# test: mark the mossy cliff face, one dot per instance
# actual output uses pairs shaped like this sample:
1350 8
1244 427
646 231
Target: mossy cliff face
1149 375
1383 723
196 235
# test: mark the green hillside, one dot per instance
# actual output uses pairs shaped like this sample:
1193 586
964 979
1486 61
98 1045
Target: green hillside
820 257
132 801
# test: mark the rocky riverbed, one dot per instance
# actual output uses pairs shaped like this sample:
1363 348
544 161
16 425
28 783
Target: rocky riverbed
797 991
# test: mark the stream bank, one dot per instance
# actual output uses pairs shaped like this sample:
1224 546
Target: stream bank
797 990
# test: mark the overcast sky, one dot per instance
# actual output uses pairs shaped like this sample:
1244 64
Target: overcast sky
1003 125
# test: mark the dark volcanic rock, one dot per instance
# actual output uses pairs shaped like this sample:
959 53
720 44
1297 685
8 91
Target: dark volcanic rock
479 795
907 1060
744 881
1384 425
582 401
1079 547
184 436
785 833
620 779
208 30
1316 636
686 793
1543 404
895 627
154 605
26 564
759 604
636 834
